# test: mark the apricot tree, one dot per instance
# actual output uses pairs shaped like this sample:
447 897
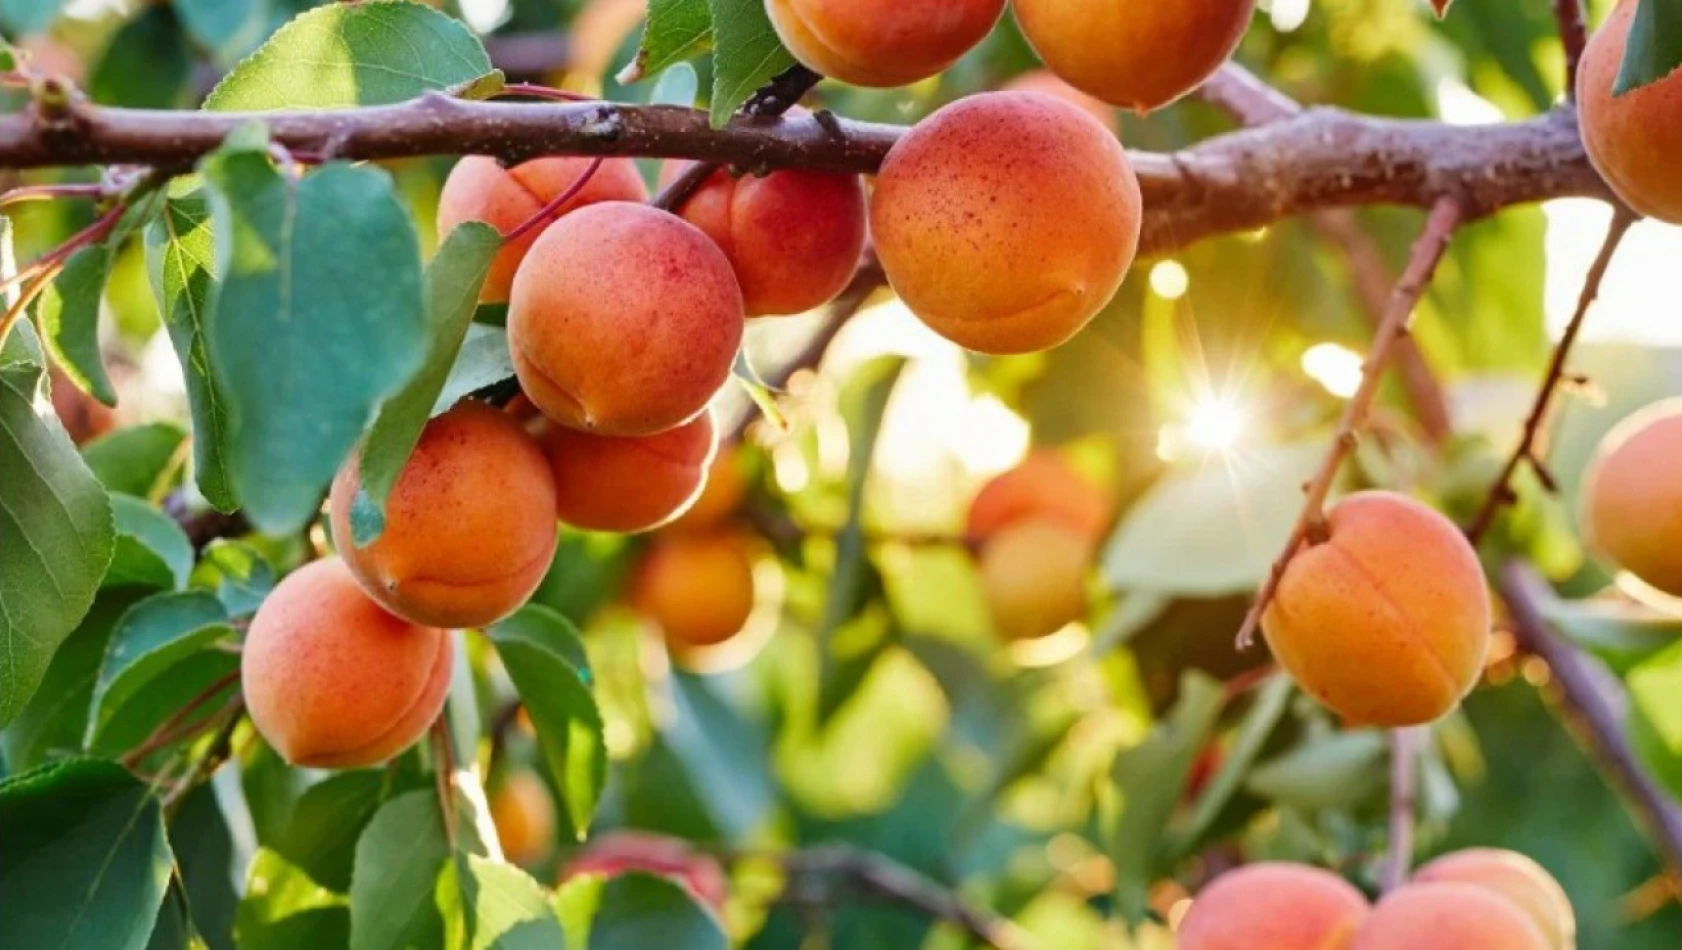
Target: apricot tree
777 473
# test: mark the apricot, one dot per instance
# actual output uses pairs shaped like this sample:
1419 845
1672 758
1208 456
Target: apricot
1048 83
721 495
794 238
1044 484
334 681
624 320
1632 139
1140 56
627 483
1006 220
1633 496
1033 573
1386 620
621 852
1516 878
469 525
1273 906
697 588
1447 917
480 189
882 42
524 815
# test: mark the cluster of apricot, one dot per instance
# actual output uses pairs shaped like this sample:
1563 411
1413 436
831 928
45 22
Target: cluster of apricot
1481 899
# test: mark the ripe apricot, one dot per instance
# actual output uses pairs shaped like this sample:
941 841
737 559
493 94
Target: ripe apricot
627 483
524 815
624 320
1633 496
469 525
480 189
1033 573
697 587
794 238
1447 917
620 852
1387 620
1006 221
1273 906
1046 82
1043 485
334 681
1137 55
721 495
1516 878
882 42
1632 139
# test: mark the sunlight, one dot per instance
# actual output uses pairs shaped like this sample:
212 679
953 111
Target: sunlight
1215 424
1334 366
1634 305
1169 280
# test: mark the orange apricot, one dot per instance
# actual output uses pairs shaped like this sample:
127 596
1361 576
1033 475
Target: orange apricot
627 483
1136 55
1386 620
1515 877
697 587
1445 916
1044 484
334 681
480 189
1633 496
882 42
1273 906
524 815
1033 573
469 526
721 495
624 320
1046 82
793 237
1632 139
1006 221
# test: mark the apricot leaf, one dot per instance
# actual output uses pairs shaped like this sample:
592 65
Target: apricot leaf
152 550
1654 49
399 857
746 54
134 460
633 911
151 638
28 17
69 314
1655 715
506 908
676 30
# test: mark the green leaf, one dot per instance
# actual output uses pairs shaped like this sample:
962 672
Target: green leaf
283 909
69 314
678 85
452 294
1655 715
28 17
569 726
746 54
1622 633
1654 48
147 65
676 30
1246 745
318 317
1148 779
1332 771
320 836
238 572
343 55
398 859
181 261
483 361
635 912
57 716
57 534
133 461
86 859
222 26
509 910
204 851
550 629
152 550
154 636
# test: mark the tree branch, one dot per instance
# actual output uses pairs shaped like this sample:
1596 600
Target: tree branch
1404 758
1321 158
1588 695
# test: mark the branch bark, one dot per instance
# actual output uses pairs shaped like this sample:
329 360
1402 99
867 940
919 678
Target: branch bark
1573 35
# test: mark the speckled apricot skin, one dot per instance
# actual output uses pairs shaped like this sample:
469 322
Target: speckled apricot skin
1633 497
1033 573
470 524
1633 139
1043 485
794 238
882 43
627 484
1048 83
1137 54
698 588
523 812
480 189
625 320
1444 916
1516 878
1386 622
1006 220
334 681
1273 906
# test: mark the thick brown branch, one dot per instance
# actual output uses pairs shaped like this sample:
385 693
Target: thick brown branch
1322 158
1586 693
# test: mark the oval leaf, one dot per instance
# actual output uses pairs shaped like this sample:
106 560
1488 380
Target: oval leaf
135 460
398 859
152 550
746 54
152 637
69 313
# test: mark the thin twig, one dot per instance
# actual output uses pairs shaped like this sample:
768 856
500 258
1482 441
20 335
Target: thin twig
1589 696
50 193
1404 757
534 91
1528 451
214 754
25 297
781 94
1427 251
550 211
1246 97
1573 35
175 727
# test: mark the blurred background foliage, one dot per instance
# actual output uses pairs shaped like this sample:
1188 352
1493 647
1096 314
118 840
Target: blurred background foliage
1106 768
